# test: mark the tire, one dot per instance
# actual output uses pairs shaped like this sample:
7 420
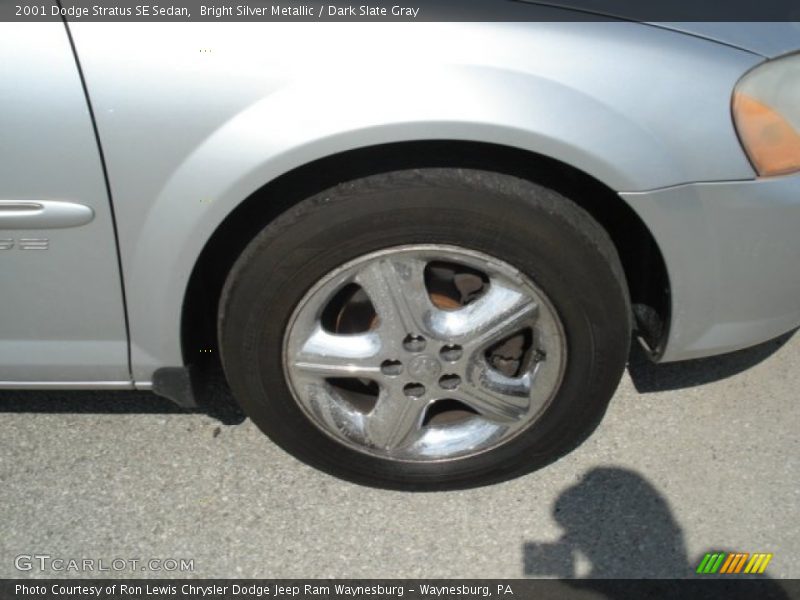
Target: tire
527 238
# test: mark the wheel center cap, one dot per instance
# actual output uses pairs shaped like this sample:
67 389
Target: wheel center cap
425 367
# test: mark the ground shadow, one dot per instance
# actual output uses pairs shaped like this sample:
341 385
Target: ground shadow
619 522
617 526
651 377
214 399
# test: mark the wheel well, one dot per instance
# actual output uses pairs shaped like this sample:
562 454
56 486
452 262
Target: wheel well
644 266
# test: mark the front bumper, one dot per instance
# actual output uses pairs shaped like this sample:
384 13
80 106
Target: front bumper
732 251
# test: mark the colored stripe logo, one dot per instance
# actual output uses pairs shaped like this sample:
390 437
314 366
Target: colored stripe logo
731 563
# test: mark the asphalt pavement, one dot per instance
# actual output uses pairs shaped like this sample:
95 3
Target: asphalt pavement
690 458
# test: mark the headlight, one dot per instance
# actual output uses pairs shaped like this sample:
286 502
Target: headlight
766 110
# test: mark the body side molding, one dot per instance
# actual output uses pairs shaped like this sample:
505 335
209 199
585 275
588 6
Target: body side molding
43 214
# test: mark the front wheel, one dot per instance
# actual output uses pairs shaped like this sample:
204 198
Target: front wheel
427 329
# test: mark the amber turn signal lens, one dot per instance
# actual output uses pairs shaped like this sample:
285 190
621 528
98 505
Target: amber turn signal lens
771 142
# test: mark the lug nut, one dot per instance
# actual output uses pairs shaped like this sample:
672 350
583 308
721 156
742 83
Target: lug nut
414 343
449 382
414 390
391 367
451 352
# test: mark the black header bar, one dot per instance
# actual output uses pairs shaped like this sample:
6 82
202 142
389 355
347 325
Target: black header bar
401 10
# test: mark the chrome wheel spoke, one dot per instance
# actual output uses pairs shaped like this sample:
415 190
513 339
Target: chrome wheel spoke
395 421
329 355
501 311
396 287
493 404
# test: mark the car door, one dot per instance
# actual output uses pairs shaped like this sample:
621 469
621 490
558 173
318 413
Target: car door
62 318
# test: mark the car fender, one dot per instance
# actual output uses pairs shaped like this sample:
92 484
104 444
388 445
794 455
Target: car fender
173 185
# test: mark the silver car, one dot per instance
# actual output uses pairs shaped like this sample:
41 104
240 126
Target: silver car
419 250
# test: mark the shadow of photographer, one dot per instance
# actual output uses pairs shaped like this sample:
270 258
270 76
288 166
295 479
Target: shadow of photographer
617 526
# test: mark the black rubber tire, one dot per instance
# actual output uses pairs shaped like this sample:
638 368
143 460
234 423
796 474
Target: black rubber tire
543 234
